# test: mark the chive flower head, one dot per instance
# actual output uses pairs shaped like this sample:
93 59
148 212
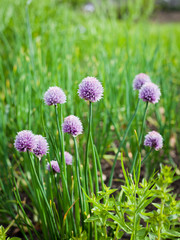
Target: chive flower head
54 166
72 125
41 148
154 140
140 80
25 141
54 96
150 92
90 89
68 158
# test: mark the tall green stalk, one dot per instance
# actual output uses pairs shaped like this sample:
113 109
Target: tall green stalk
79 183
99 167
121 144
41 192
87 148
61 140
147 155
94 166
140 139
62 162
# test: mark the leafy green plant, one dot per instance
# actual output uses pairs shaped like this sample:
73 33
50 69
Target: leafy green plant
130 212
3 234
164 221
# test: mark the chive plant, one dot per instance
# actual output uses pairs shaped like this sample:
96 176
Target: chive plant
61 197
66 201
149 93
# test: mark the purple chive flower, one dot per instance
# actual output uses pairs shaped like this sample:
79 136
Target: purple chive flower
54 95
90 89
41 147
54 166
68 158
140 80
72 125
25 141
154 140
150 92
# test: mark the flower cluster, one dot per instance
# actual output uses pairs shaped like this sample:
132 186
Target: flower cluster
54 96
72 125
41 146
27 141
148 91
154 140
140 80
90 89
68 158
54 166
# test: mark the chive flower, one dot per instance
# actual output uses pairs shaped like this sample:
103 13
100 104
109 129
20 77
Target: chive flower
25 141
90 89
154 140
68 158
140 80
41 148
72 125
54 166
150 92
54 95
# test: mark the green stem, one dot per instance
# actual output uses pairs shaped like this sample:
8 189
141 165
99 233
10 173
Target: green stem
161 217
140 139
61 140
43 194
87 148
58 126
147 155
145 158
99 167
87 169
94 166
121 144
143 124
76 196
79 183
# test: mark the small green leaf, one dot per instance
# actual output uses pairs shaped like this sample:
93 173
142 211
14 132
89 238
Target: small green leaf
111 224
92 219
171 233
141 234
152 236
14 238
119 235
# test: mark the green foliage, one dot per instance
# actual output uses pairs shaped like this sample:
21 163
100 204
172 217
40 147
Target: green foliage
3 235
131 212
164 221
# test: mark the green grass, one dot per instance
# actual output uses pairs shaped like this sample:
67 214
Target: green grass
67 45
